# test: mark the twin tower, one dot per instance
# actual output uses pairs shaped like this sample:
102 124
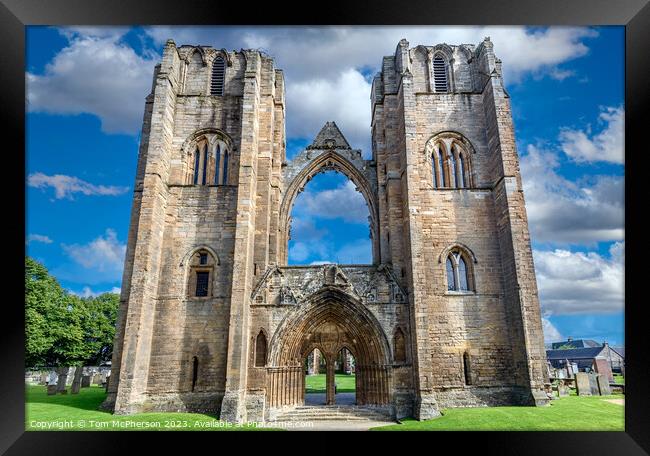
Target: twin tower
212 319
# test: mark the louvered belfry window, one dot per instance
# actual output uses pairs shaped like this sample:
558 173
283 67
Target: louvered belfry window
440 74
218 76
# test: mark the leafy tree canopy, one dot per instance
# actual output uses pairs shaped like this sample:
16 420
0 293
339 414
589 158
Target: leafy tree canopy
63 329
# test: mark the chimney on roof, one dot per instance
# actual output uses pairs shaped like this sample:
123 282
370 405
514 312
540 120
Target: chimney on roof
605 344
569 339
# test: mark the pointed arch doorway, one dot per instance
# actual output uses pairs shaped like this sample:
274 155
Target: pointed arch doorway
331 321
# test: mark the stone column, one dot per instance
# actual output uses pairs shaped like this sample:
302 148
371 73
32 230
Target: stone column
316 362
329 381
519 284
233 404
346 361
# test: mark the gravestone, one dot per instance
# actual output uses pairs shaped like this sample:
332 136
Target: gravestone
593 385
582 384
43 378
97 379
62 378
603 385
85 381
51 390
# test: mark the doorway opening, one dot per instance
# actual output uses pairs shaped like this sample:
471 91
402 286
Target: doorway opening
345 385
315 368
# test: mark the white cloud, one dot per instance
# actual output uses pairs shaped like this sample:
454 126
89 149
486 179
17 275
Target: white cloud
98 73
359 251
578 283
38 238
322 65
104 254
306 230
343 202
606 146
563 211
88 292
95 74
343 99
551 333
66 186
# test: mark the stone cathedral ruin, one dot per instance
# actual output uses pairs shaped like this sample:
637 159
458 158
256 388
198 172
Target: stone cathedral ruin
212 318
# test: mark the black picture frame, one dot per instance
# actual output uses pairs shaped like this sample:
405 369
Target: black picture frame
633 14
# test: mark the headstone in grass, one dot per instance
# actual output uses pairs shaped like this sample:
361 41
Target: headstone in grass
582 384
51 390
603 385
97 379
562 389
593 385
62 378
85 381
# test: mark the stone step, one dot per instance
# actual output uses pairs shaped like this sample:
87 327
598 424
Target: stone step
334 413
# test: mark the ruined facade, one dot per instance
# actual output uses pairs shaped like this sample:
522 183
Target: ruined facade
212 318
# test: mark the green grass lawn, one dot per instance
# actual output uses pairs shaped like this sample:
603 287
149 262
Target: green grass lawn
75 412
316 383
570 413
619 379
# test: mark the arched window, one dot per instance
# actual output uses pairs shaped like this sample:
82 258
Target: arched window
451 274
434 170
462 274
217 158
441 168
399 344
218 76
201 272
224 180
457 272
461 170
452 169
467 373
450 156
197 158
205 164
195 371
260 350
440 82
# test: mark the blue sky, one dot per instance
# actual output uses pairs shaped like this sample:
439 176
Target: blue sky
85 98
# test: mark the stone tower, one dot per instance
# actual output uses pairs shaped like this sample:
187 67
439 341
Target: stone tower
213 319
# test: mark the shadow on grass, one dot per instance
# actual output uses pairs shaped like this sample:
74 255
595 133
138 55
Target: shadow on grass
88 398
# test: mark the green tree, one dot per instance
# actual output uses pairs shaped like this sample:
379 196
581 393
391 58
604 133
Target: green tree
43 296
63 329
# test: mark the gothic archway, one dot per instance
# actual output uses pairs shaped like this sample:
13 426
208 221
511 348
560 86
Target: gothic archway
327 161
329 320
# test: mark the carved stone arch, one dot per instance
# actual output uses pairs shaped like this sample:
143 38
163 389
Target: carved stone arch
460 246
190 253
329 304
190 54
260 354
469 260
224 54
444 49
329 320
328 161
467 53
448 138
188 270
210 133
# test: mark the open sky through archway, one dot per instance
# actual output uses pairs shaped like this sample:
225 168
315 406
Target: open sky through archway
329 223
